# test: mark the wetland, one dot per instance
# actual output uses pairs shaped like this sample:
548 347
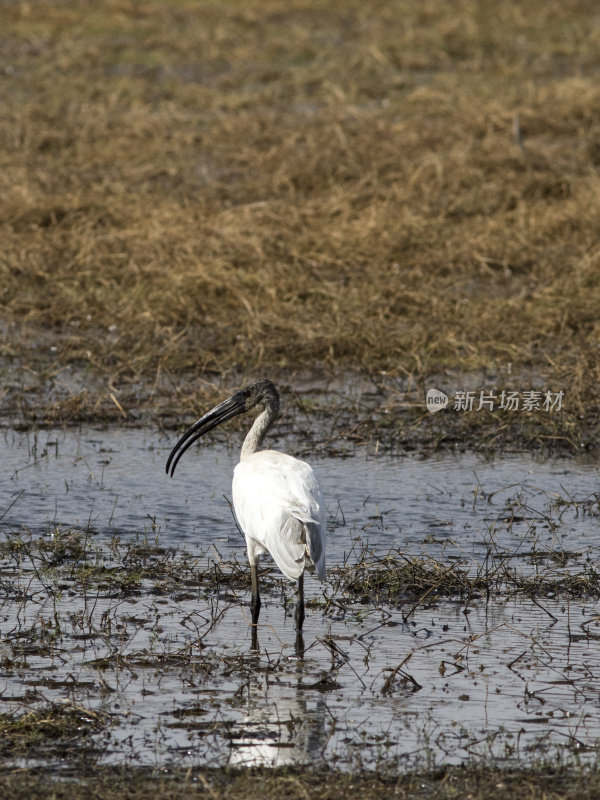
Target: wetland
458 624
363 203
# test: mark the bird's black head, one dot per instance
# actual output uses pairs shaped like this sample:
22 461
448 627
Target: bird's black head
260 393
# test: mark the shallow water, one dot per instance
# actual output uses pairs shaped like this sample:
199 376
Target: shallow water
507 678
447 506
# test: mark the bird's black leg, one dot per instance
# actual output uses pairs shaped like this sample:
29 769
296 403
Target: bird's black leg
299 615
255 597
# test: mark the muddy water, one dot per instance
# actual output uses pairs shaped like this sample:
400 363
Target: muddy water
511 679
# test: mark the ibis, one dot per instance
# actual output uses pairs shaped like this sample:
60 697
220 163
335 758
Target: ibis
276 497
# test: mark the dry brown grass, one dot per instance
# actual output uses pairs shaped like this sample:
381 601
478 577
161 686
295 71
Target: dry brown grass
138 783
193 188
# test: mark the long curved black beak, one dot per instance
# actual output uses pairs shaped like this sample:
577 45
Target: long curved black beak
235 405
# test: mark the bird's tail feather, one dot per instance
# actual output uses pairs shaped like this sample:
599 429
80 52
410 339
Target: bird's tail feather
300 546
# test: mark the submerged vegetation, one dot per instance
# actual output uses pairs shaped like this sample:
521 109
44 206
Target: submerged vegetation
93 626
72 561
56 730
129 655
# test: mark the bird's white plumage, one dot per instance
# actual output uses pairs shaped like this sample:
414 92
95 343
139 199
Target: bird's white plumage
276 497
279 506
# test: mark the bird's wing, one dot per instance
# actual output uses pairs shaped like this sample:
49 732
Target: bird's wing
315 534
279 505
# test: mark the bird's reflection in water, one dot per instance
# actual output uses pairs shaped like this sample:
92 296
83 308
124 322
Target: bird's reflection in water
284 729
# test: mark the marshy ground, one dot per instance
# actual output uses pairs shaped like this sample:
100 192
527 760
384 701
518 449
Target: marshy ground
362 203
453 643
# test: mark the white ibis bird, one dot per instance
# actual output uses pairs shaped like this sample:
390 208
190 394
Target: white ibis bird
276 498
